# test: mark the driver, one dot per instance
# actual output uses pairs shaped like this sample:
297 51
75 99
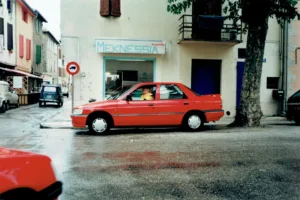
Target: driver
147 95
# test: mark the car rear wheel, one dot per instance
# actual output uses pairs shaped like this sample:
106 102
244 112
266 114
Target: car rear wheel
17 104
99 124
297 118
193 122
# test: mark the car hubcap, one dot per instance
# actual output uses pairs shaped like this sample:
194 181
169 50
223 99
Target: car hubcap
99 125
194 121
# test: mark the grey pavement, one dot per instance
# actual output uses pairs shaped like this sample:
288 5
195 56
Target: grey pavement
218 163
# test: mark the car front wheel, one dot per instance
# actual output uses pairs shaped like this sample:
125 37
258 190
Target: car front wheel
193 122
3 108
99 124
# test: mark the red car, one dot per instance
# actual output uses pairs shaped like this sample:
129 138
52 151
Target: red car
25 175
169 104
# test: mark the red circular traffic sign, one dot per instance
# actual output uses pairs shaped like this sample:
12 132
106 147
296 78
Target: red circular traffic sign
73 68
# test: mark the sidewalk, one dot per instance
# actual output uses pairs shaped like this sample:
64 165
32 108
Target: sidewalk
63 120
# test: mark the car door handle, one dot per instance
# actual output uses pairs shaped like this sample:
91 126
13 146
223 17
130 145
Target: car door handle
185 103
151 104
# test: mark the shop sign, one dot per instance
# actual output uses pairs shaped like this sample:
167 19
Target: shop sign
17 82
130 46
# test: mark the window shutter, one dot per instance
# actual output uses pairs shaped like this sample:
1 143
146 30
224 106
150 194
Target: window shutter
104 8
116 8
28 49
59 53
38 54
21 46
10 38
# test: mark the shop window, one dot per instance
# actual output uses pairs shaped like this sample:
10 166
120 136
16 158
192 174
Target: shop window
144 93
242 53
168 92
272 82
110 8
10 38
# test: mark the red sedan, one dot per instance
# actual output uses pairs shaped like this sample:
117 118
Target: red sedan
26 175
150 105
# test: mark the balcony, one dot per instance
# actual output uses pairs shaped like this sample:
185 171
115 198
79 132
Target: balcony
208 29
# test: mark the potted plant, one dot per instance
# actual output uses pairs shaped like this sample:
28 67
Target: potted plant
11 51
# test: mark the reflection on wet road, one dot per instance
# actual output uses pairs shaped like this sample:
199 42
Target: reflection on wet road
261 163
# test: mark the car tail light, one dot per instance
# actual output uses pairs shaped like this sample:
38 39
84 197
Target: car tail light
57 96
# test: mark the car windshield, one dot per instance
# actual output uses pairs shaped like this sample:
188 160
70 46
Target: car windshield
49 89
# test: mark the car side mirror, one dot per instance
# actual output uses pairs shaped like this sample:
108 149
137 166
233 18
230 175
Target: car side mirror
129 97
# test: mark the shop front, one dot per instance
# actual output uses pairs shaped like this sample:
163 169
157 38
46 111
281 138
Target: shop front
129 62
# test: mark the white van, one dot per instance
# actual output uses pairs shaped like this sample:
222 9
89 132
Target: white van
7 97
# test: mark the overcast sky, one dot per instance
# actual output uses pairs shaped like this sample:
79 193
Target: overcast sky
50 9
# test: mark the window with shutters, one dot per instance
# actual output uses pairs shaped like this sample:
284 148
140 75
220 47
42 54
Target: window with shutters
10 38
25 16
2 43
38 54
110 8
21 46
28 49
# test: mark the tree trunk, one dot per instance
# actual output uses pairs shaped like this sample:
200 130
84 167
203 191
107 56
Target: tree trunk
249 111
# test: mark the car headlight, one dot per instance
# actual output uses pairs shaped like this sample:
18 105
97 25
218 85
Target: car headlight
77 111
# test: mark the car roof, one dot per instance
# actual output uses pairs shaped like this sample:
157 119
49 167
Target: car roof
3 83
149 83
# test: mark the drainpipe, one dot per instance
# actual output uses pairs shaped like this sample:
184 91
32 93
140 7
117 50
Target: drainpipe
15 46
284 67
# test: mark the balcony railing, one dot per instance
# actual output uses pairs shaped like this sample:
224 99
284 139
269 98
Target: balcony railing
208 28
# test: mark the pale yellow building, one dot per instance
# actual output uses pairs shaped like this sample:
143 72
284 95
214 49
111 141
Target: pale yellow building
24 35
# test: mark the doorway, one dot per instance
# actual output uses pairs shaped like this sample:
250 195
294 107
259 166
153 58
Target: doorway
206 76
239 82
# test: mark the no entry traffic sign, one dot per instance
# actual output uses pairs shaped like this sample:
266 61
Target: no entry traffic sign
73 68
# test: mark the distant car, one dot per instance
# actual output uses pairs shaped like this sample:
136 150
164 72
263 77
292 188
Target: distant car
51 94
26 175
8 97
174 104
65 91
293 107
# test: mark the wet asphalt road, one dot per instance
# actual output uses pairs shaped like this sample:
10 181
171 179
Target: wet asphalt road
220 163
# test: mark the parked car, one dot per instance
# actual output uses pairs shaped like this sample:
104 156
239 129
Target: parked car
8 97
293 107
65 91
26 175
51 94
174 104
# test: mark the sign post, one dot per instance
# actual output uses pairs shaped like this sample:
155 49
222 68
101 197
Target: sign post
73 68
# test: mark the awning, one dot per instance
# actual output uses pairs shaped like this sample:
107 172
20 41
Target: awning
20 72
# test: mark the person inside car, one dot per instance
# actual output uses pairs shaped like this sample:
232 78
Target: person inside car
147 95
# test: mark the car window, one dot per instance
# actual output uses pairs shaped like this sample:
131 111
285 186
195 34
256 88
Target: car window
49 89
144 93
171 92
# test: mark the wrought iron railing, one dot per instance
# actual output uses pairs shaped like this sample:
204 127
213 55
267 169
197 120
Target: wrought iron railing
226 32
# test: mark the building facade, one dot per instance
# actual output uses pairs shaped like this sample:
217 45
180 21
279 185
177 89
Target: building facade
120 45
37 30
7 37
50 53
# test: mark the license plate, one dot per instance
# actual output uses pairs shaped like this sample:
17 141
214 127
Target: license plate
49 97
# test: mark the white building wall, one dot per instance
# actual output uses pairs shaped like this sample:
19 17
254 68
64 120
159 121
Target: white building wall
5 56
149 20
